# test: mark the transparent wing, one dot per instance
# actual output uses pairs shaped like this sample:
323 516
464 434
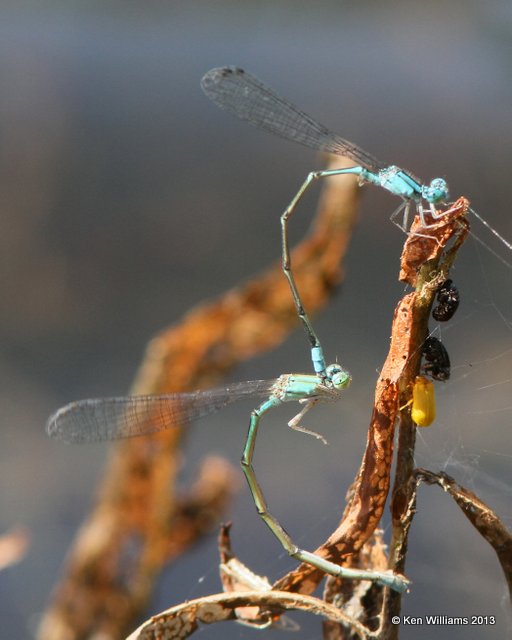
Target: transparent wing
246 97
113 418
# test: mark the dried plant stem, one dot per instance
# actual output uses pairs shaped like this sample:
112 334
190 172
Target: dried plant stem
424 261
481 516
181 621
393 389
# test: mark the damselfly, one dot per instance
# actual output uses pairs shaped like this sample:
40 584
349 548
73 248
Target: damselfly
113 418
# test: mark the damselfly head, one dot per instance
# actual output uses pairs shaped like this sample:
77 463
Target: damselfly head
437 191
339 377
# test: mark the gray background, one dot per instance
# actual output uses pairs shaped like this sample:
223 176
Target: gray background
127 198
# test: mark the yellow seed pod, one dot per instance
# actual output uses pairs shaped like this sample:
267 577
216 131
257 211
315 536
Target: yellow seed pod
423 410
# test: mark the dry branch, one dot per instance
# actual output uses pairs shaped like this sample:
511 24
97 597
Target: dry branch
181 621
425 262
409 330
481 516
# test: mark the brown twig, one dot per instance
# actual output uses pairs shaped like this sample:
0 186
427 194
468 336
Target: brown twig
104 588
181 621
369 492
481 516
408 333
433 271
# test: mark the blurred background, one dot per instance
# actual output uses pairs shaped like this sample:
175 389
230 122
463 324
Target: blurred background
127 198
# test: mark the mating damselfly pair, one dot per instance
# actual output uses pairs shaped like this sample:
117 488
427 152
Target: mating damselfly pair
112 418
